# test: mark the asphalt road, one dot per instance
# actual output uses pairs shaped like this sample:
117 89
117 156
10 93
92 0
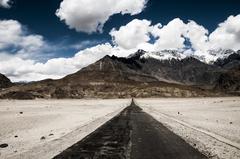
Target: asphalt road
133 134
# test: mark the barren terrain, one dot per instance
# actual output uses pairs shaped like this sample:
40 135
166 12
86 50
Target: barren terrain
44 128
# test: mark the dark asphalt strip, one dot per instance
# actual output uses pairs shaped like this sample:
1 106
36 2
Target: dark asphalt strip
132 134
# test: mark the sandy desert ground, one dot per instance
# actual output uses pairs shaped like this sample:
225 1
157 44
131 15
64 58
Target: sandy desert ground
212 125
43 128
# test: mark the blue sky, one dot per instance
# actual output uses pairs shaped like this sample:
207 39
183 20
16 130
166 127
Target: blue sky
39 17
52 38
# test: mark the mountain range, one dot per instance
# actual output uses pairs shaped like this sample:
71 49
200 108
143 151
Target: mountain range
167 73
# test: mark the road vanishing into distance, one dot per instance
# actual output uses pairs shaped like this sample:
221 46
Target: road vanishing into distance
133 134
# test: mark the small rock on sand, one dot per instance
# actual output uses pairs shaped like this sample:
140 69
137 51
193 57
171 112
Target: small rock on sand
3 145
43 138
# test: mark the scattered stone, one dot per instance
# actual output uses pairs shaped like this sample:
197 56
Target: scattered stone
15 136
20 112
43 138
50 134
15 151
178 113
3 145
230 122
194 145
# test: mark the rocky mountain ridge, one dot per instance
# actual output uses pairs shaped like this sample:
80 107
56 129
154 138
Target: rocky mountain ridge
209 57
140 75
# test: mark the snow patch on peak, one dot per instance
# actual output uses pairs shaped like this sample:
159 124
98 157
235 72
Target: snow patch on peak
221 53
165 55
209 56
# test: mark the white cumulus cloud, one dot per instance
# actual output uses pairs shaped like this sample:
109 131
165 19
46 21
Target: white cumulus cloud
176 33
197 35
133 34
13 36
137 34
170 35
5 3
227 35
90 15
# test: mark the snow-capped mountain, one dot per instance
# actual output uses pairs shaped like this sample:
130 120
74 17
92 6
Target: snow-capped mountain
214 55
165 55
159 55
208 57
221 53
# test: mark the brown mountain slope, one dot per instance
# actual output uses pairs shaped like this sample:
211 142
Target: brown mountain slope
229 81
4 82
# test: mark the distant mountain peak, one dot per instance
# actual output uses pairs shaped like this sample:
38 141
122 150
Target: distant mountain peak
137 55
210 57
106 58
221 52
229 60
159 55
